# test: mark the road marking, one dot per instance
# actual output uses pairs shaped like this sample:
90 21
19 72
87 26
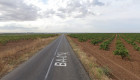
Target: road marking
61 59
52 61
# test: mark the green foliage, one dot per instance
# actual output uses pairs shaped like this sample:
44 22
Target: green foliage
5 38
106 70
136 47
94 37
121 50
96 41
82 39
105 44
131 39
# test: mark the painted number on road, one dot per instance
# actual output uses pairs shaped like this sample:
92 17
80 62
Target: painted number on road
61 59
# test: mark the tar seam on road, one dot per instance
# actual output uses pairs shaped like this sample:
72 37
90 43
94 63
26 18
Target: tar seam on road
52 61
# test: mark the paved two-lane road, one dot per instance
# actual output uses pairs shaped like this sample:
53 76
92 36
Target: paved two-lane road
57 61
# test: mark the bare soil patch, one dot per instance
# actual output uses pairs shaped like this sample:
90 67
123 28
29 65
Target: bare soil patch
120 69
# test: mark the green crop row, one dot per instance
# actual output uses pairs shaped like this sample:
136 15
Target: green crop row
105 44
94 37
96 41
5 38
131 40
132 36
120 49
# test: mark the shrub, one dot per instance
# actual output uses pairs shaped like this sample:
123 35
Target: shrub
105 45
121 50
96 41
82 39
136 47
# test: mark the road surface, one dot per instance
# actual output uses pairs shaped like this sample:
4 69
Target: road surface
57 61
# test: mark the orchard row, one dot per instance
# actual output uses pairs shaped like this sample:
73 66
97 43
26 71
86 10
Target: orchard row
105 39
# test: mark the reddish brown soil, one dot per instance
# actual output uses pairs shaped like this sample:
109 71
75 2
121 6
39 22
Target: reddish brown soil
134 56
121 69
137 43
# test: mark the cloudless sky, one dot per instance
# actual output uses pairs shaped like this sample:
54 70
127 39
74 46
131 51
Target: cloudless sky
69 16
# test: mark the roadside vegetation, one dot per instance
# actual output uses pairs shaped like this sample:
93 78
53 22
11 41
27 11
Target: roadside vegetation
20 47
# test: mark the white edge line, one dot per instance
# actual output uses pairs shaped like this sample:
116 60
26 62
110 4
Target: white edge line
52 61
49 70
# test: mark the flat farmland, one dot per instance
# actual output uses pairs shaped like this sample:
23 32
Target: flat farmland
18 48
118 55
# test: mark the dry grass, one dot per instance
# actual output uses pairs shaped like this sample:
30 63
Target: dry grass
11 58
95 72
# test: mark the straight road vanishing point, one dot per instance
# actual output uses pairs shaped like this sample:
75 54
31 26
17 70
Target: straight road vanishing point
57 61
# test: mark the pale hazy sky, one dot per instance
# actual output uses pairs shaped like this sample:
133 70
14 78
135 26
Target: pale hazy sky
69 15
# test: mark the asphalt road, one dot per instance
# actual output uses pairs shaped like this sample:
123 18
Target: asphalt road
57 61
